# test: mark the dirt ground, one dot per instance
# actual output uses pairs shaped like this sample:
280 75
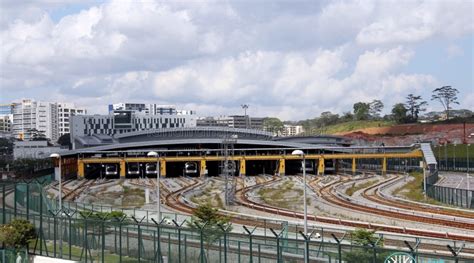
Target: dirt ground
407 134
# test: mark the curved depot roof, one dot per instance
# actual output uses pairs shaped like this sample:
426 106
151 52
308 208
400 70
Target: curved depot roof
210 136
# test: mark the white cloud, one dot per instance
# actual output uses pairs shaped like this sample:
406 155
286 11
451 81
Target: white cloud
292 60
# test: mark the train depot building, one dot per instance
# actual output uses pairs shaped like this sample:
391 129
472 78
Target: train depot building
202 151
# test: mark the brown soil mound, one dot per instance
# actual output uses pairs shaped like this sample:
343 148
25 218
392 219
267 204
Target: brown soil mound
410 133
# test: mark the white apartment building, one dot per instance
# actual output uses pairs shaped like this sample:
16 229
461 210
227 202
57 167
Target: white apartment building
48 118
292 130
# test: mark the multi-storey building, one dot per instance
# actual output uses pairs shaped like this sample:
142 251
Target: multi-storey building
292 130
37 117
149 109
233 121
124 121
5 120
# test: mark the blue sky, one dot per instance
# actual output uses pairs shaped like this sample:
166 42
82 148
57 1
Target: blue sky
289 59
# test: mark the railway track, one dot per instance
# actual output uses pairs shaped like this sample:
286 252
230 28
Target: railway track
377 198
244 201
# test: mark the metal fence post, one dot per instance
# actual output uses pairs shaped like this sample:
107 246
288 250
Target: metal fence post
249 233
179 237
278 236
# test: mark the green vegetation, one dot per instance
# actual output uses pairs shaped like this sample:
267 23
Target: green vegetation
209 196
365 238
210 223
354 188
17 234
133 197
354 125
412 190
283 195
452 150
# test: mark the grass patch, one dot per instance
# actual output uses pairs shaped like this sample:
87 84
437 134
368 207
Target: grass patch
356 187
413 190
355 125
208 196
278 196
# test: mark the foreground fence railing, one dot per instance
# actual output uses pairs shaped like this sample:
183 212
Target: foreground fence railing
452 196
85 235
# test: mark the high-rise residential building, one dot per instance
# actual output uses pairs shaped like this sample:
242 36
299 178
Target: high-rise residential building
5 120
50 119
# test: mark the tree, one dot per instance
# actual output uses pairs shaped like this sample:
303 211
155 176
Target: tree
364 238
274 125
65 140
361 110
446 95
375 107
399 113
328 118
17 234
208 221
414 106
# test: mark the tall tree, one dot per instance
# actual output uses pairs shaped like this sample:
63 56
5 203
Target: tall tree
272 124
446 95
65 140
376 107
414 105
361 110
399 113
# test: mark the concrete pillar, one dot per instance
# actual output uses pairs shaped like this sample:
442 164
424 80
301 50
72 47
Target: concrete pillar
242 170
162 168
123 170
384 166
80 169
281 167
203 168
354 165
320 166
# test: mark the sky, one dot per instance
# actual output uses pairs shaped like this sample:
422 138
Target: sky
287 59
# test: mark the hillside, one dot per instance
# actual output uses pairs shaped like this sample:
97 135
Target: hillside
406 134
350 126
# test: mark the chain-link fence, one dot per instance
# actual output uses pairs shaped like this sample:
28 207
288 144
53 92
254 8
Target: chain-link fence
453 196
85 235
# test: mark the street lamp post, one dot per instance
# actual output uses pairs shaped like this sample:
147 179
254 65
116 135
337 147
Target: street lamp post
158 203
467 158
301 154
55 155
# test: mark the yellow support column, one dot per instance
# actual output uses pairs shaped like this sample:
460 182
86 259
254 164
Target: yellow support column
80 169
281 167
203 168
384 166
162 168
354 166
242 169
320 166
122 168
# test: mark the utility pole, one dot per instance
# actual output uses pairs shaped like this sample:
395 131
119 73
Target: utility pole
229 167
245 107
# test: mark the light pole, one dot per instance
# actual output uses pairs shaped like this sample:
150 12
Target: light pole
55 155
301 154
467 158
245 107
454 156
158 203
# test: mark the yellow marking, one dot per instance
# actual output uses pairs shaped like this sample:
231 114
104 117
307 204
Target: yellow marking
281 167
243 167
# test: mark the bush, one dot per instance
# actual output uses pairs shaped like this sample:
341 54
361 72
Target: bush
17 234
